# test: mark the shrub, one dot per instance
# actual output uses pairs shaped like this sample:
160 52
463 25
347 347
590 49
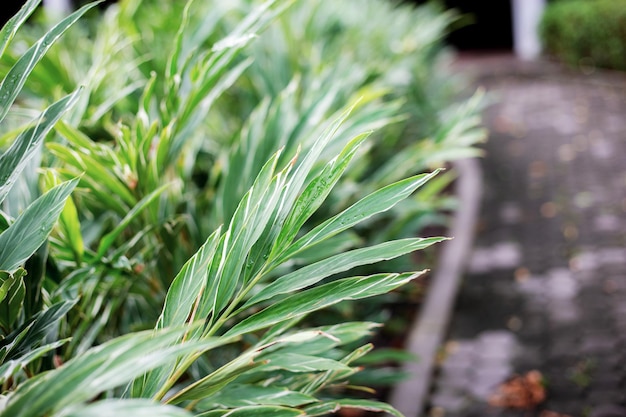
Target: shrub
219 203
586 32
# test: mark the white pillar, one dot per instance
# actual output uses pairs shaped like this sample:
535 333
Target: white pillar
57 8
526 17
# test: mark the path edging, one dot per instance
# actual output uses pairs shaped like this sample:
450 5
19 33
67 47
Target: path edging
431 322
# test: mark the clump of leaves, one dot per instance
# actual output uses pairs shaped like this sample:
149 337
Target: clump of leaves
128 307
230 338
26 319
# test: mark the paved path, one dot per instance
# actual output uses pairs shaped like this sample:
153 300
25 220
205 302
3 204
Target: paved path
546 285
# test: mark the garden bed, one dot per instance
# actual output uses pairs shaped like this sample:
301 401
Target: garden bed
235 173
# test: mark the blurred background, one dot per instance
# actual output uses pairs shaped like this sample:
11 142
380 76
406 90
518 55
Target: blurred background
487 24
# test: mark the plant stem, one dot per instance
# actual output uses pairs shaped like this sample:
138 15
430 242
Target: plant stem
176 375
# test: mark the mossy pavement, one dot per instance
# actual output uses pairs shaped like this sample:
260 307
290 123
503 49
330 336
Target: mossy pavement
545 288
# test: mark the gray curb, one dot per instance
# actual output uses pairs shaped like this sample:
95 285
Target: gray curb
431 323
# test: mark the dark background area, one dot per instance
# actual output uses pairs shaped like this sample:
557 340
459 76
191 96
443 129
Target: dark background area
486 25
9 8
491 27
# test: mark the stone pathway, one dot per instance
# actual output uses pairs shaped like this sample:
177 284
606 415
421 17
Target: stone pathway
546 284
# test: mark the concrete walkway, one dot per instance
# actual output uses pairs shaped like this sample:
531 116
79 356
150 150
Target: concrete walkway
546 285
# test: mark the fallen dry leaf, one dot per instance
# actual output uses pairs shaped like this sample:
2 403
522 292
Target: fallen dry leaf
521 391
351 412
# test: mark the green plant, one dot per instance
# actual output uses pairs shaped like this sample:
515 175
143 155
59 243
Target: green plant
586 33
25 318
206 158
273 159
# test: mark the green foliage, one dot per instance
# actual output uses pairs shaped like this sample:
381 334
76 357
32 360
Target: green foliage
24 325
586 33
234 168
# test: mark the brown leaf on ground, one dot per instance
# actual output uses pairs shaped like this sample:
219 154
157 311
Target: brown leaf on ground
351 412
548 413
521 391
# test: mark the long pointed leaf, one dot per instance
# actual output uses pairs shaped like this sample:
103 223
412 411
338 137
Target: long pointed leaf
246 226
11 27
297 362
225 375
179 307
110 237
256 411
188 285
243 395
13 298
377 202
32 227
7 280
15 79
104 367
151 382
317 190
13 161
268 243
11 367
32 333
321 297
332 407
124 408
311 274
